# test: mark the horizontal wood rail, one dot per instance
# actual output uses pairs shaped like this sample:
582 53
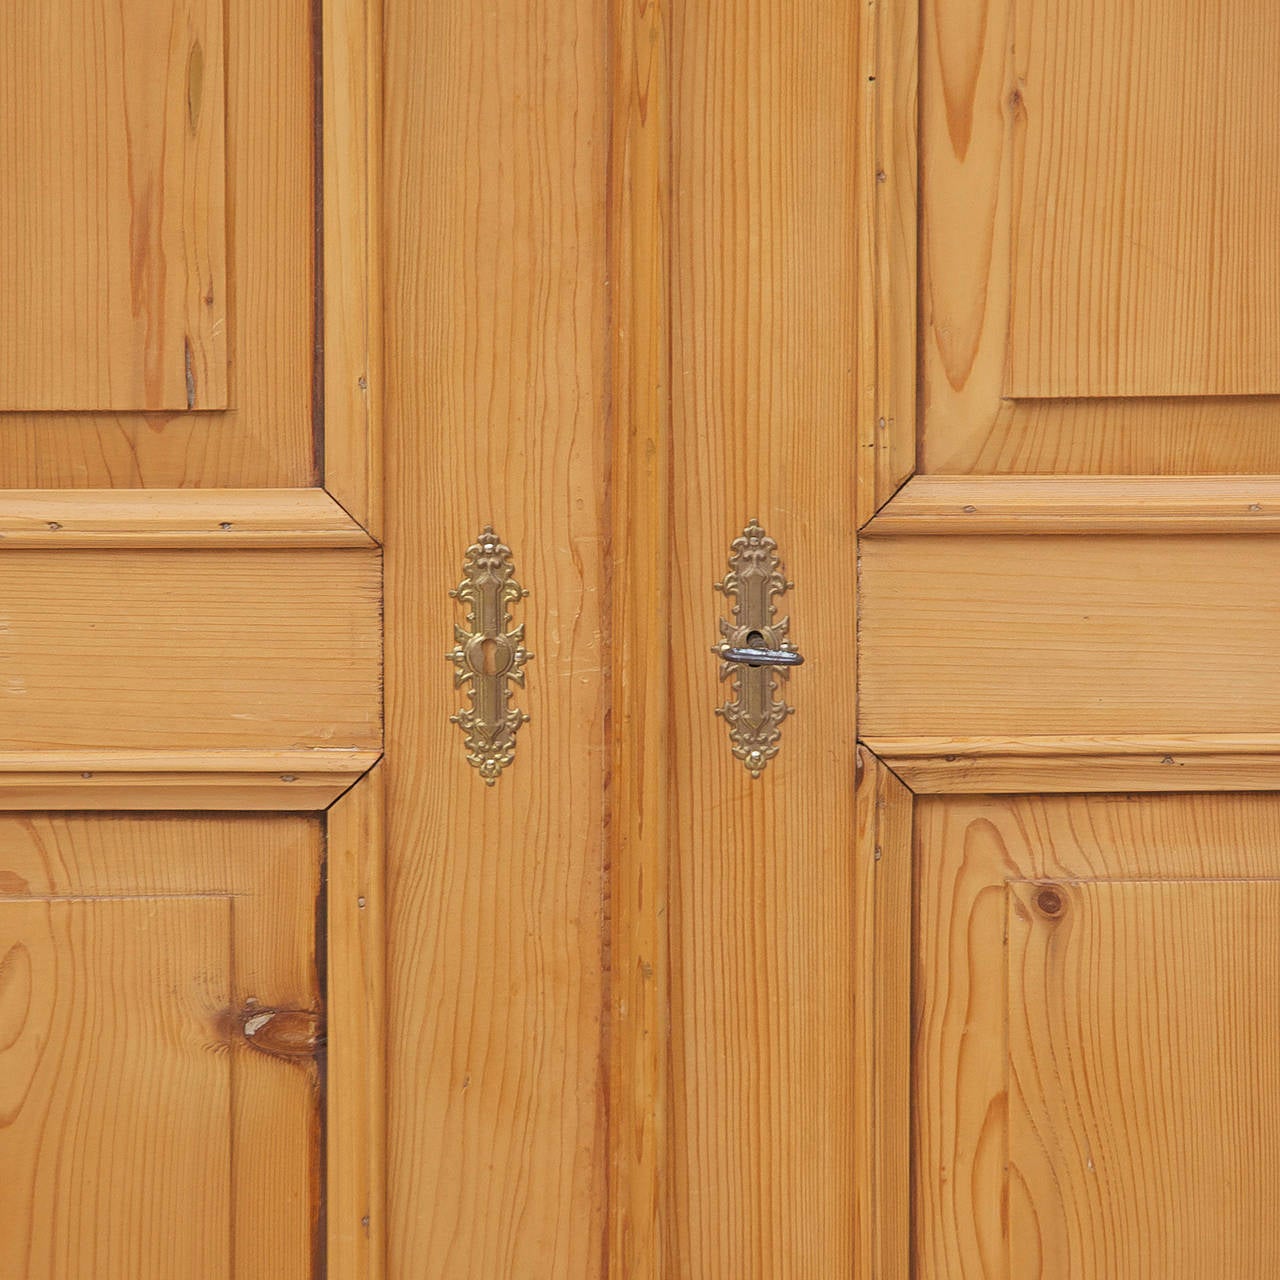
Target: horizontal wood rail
176 518
1036 765
295 781
933 504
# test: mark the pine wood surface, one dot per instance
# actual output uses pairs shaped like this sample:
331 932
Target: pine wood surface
221 518
356 1013
882 1022
975 636
1140 1082
133 949
265 438
930 504
189 650
639 794
764 333
114 116
1161 899
496 130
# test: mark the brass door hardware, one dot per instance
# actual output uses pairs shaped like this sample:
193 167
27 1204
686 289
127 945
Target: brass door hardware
487 657
754 650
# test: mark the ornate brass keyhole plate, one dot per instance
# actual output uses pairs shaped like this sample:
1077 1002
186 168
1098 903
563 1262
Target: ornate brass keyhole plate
487 657
754 650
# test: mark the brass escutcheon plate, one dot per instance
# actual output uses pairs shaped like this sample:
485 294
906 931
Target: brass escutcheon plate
753 711
487 657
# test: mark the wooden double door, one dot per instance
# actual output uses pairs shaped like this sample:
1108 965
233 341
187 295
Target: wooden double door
385 390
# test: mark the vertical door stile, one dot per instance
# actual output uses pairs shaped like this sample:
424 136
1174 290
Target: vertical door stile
640 798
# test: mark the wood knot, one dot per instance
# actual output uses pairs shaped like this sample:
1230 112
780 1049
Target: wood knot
1049 902
293 1034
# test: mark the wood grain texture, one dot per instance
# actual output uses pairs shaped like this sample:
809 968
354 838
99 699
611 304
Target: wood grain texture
1081 504
115 1126
162 934
1144 1124
1145 191
882 1023
1096 762
640 568
977 636
967 850
189 650
764 316
351 36
355 1155
113 116
1167 436
171 518
965 218
291 781
496 130
888 235
265 437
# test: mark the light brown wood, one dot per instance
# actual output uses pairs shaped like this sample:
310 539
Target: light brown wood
114 116
265 437
151 941
1213 860
1142 261
108 1018
882 1023
887 224
765 400
355 1153
1080 504
1140 1085
496 132
351 34
189 650
1005 637
295 781
1170 436
640 603
171 518
1031 765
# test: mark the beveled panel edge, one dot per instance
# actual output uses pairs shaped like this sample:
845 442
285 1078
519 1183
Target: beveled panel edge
355 998
1013 504
351 114
283 781
1065 765
888 197
176 518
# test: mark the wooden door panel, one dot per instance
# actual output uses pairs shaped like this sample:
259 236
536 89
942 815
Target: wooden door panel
1097 291
190 650
114 254
1143 1115
1095 987
159 1000
1144 190
133 208
1048 635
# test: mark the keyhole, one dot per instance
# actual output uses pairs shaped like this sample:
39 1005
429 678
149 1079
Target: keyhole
489 656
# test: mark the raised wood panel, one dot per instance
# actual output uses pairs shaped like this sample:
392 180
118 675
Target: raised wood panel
262 877
1169 960
1145 193
1024 120
1007 636
115 1106
1144 1119
764 328
113 262
265 436
496 132
189 650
